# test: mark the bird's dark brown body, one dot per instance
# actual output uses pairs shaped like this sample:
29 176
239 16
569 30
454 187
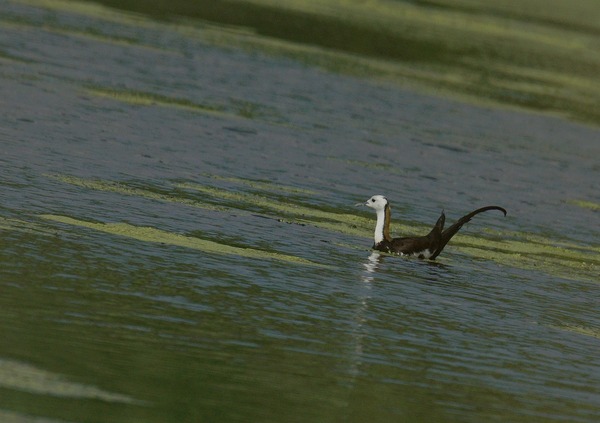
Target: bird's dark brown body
426 247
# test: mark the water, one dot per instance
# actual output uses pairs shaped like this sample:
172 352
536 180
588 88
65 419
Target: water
179 241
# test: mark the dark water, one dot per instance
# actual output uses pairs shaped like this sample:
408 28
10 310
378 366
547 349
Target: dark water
179 241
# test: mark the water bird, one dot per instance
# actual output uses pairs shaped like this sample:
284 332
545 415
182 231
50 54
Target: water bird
424 247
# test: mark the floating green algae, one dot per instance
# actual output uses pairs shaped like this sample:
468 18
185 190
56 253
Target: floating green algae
141 98
13 417
18 225
519 243
556 257
121 188
92 10
241 200
350 224
529 238
581 330
583 269
535 252
237 109
27 378
585 204
258 201
435 47
262 185
84 33
347 223
148 234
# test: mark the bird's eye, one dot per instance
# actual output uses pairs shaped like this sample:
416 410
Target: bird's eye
372 200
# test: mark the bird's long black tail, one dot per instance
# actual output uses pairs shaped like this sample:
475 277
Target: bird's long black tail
449 232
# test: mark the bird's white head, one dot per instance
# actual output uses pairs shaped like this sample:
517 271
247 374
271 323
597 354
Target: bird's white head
381 206
377 202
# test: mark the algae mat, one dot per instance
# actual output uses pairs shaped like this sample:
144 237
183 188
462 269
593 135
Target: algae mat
31 379
516 249
472 50
147 234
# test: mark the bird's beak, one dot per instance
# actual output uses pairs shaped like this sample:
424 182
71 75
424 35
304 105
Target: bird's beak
360 204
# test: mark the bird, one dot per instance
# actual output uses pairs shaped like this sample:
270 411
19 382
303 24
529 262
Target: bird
423 247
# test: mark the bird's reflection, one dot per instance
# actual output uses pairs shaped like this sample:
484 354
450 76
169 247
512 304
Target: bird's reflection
360 328
371 266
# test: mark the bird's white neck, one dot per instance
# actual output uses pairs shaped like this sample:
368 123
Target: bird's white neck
380 226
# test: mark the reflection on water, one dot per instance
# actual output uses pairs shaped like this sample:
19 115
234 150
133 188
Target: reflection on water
371 266
360 327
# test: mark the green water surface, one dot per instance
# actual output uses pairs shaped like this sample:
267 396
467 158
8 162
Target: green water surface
178 236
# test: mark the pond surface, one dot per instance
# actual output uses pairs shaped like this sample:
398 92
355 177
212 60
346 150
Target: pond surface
179 241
